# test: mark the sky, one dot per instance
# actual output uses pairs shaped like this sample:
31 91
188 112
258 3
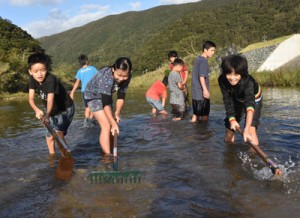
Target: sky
47 17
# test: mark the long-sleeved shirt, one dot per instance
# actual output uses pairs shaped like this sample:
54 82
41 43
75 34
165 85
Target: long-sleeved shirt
246 91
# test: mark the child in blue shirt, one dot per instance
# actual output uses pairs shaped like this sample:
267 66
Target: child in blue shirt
84 74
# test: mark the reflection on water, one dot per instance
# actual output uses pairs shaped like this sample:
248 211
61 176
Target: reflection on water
187 170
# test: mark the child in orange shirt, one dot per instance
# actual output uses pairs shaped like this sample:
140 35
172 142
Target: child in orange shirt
157 90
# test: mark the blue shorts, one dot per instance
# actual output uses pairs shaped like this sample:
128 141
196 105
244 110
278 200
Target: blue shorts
155 103
85 101
61 122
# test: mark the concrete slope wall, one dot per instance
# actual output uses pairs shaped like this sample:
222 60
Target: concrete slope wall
285 52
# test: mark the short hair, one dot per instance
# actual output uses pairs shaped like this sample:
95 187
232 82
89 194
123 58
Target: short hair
172 54
82 59
236 63
208 44
165 81
123 63
39 58
178 61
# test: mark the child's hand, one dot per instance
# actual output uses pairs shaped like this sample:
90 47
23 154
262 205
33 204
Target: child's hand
117 118
114 128
72 95
39 114
234 124
247 136
206 94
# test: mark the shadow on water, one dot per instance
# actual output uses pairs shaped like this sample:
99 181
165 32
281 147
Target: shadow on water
187 170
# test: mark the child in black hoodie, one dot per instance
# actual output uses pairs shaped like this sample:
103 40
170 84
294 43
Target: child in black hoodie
241 95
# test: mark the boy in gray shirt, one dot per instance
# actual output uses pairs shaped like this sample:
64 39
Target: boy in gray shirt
176 90
200 83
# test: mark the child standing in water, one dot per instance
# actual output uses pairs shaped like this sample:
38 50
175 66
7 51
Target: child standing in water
200 83
241 95
172 55
83 75
157 90
59 106
98 93
176 90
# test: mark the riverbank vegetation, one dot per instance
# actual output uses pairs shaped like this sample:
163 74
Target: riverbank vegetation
278 78
147 36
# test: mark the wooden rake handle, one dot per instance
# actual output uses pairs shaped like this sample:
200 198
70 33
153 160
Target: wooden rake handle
61 144
274 168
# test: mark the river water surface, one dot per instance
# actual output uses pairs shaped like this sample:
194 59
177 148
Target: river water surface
186 169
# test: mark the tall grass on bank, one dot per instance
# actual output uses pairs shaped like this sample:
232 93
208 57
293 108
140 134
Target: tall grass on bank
146 80
8 96
282 77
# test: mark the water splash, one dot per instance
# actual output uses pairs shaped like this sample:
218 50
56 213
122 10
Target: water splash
289 178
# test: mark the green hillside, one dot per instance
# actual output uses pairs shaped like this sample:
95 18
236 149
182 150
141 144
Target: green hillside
146 36
15 47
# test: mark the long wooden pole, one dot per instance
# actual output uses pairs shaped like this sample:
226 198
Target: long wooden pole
274 168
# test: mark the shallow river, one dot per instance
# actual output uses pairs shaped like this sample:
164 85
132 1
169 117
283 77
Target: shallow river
186 169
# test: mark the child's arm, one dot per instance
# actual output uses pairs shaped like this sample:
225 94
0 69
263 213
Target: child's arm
180 85
76 84
249 103
228 104
38 112
249 118
164 97
206 93
119 106
186 73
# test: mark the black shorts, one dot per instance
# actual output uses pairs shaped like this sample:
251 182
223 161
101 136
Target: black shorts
201 107
240 110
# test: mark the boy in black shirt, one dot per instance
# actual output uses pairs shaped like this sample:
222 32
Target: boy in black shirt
59 106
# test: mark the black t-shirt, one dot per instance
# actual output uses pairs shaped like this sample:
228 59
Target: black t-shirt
51 84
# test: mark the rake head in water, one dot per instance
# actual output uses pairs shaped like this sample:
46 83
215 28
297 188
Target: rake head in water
115 177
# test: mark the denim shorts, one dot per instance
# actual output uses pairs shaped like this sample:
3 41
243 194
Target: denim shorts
95 105
155 103
61 122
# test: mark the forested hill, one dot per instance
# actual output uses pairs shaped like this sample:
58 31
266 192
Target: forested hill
146 36
15 47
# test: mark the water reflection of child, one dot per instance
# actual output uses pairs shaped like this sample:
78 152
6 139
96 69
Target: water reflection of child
157 90
59 106
241 94
176 90
98 93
